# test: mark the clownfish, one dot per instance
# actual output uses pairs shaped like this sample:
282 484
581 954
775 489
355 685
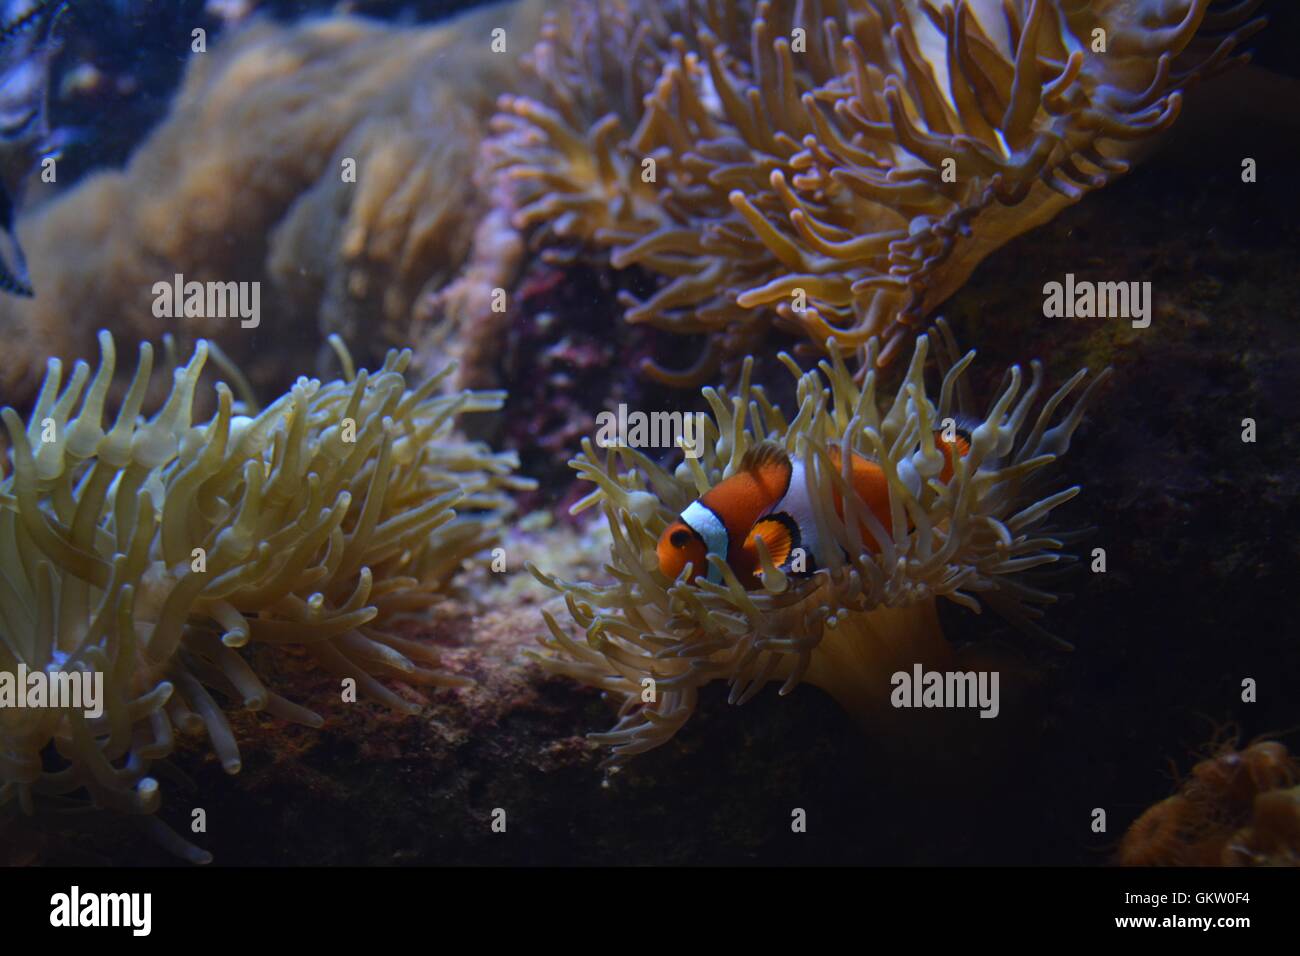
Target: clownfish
768 498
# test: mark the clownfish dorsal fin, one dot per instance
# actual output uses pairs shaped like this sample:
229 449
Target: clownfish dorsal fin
765 453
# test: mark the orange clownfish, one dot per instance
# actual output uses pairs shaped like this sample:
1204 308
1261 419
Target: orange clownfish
768 498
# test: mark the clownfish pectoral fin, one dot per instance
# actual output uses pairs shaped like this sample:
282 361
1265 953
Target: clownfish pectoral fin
780 534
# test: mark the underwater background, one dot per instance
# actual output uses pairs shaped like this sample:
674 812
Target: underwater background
1198 526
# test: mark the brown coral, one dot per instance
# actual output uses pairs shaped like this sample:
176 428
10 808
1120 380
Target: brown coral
836 166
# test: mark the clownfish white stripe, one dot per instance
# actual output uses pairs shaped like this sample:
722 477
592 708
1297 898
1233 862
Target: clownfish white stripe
797 505
767 505
701 519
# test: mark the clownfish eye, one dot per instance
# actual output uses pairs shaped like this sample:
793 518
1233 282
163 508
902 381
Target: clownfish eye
679 538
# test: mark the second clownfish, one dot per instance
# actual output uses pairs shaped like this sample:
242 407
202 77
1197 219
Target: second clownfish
768 498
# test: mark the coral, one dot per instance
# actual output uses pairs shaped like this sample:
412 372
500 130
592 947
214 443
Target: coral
1236 808
153 551
862 155
871 609
243 181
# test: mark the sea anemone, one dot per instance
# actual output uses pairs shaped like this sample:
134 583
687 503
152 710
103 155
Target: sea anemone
1236 808
838 167
652 642
153 550
331 159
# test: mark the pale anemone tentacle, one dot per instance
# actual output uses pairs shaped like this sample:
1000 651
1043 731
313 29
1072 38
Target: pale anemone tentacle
834 167
151 551
872 604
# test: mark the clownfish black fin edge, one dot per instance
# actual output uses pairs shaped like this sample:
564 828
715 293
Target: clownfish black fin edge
784 540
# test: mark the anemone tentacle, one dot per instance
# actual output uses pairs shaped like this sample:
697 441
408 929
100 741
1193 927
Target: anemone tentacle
975 539
151 550
836 168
